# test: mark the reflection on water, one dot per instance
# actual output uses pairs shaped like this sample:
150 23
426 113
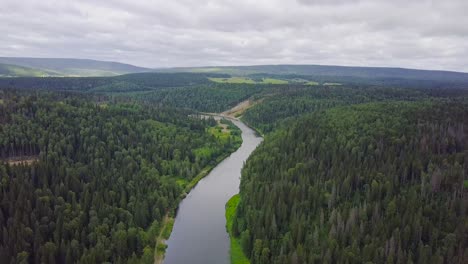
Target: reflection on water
199 235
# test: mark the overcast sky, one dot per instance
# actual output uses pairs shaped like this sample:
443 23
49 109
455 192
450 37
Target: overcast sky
154 33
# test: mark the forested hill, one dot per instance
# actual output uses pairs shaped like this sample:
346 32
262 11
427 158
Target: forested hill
73 67
182 90
370 183
136 82
326 70
292 102
8 70
88 183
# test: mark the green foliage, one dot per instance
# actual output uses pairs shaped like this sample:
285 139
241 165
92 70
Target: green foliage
368 183
350 183
122 83
7 70
206 98
166 232
104 180
289 102
236 253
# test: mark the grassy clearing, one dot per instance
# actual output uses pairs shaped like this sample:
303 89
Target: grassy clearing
312 83
24 71
166 229
274 81
246 80
219 133
236 253
233 80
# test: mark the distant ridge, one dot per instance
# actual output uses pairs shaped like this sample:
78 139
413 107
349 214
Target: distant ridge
8 70
73 67
43 67
329 70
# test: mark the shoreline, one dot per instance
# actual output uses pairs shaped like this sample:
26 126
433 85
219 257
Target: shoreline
160 246
236 255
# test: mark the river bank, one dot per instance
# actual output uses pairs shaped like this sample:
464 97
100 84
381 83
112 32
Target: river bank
199 234
236 254
168 222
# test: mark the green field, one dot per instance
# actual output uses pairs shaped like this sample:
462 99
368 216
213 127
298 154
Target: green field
233 80
274 81
7 70
312 83
246 80
236 253
218 132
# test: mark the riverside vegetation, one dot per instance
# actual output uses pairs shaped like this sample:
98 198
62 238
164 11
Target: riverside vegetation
370 171
104 179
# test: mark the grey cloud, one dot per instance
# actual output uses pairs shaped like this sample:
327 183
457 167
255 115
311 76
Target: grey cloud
419 34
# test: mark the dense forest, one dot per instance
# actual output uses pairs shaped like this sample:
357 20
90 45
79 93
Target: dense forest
287 103
129 82
176 90
370 172
370 183
91 183
206 98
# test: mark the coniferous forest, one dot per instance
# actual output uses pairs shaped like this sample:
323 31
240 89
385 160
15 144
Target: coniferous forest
97 179
370 183
360 172
234 132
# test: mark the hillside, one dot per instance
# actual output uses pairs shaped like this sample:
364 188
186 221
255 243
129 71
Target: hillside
73 67
88 184
370 183
8 70
326 70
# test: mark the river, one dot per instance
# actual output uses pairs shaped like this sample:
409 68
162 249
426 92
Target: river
199 235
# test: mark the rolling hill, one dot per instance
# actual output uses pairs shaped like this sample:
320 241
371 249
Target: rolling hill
333 71
70 67
8 70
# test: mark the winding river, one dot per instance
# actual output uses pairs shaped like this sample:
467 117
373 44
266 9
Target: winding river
199 235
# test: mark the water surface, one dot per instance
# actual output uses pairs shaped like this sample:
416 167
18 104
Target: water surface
199 235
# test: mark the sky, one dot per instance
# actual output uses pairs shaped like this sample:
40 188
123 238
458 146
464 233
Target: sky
170 33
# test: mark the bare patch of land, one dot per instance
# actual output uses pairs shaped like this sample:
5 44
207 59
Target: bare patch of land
223 126
27 160
240 108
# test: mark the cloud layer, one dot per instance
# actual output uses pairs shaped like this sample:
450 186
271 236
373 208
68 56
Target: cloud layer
154 33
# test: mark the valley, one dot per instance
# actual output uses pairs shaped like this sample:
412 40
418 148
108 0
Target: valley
234 132
132 169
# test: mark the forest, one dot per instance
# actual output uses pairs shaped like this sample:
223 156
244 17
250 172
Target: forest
367 171
283 105
378 182
98 179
